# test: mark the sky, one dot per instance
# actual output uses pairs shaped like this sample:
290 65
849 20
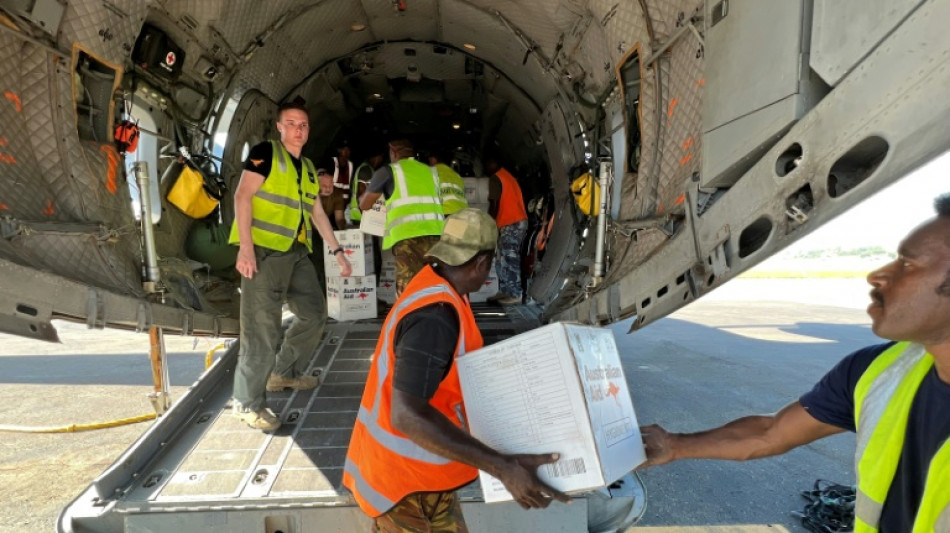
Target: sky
886 217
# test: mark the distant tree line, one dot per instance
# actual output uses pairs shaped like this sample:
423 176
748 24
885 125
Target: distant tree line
862 252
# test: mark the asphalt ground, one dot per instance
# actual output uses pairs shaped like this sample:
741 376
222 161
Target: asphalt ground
749 347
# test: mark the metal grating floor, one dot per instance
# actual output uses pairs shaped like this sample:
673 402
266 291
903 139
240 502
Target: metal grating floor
218 460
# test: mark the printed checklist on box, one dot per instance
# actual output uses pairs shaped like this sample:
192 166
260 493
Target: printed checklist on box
560 389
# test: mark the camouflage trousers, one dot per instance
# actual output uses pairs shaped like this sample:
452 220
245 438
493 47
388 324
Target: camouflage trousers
508 258
409 254
424 512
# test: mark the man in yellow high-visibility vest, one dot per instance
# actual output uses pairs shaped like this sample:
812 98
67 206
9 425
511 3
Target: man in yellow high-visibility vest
895 396
276 206
414 216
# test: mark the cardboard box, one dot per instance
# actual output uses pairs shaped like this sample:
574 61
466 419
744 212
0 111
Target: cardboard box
351 298
559 388
489 288
389 260
476 190
386 286
358 248
373 220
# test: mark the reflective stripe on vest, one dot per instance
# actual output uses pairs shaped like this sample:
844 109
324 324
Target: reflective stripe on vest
336 175
511 204
452 190
278 207
382 465
356 214
415 208
882 399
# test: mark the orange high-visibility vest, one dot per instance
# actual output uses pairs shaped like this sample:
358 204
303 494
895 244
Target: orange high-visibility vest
511 204
382 464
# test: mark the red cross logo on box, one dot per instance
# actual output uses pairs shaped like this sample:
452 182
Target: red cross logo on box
170 58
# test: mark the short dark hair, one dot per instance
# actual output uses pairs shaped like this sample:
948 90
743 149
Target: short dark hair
402 147
942 205
295 104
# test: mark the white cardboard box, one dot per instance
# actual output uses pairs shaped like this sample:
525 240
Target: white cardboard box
373 220
358 248
489 288
351 298
389 260
386 286
476 190
559 388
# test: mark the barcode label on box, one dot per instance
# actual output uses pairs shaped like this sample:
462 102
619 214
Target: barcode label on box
567 467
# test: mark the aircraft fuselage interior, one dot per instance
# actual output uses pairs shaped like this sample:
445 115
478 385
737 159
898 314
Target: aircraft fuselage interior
718 132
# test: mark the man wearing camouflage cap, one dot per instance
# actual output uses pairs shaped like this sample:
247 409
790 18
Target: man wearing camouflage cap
409 451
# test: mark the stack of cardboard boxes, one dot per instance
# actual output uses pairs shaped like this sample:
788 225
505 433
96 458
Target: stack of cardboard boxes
351 298
386 289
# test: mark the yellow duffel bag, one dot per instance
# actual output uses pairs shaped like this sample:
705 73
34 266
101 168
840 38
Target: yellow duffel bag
586 192
190 195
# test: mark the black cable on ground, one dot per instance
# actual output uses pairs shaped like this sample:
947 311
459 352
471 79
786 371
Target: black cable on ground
830 508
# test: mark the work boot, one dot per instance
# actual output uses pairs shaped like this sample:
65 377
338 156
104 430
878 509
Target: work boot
508 300
495 297
263 419
277 383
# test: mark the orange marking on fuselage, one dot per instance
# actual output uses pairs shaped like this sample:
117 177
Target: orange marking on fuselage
681 199
15 99
49 208
4 207
701 82
687 143
4 141
686 159
672 107
7 158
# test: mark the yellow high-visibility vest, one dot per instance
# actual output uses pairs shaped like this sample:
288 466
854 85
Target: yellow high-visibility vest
415 208
279 204
882 402
452 188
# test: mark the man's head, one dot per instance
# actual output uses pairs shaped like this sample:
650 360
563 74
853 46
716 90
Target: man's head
436 156
343 150
293 125
464 252
325 177
910 300
491 164
400 149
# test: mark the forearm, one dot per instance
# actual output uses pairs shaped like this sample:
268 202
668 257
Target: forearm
242 215
322 223
740 440
367 200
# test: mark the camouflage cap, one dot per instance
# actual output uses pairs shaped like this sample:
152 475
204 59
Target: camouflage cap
465 234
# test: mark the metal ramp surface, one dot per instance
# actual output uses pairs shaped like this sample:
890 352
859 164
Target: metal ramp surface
200 466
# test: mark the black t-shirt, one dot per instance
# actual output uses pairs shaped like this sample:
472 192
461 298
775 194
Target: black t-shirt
260 157
424 345
832 401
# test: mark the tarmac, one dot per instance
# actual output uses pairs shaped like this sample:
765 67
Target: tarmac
750 347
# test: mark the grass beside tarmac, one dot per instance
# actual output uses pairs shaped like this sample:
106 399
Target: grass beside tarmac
804 274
